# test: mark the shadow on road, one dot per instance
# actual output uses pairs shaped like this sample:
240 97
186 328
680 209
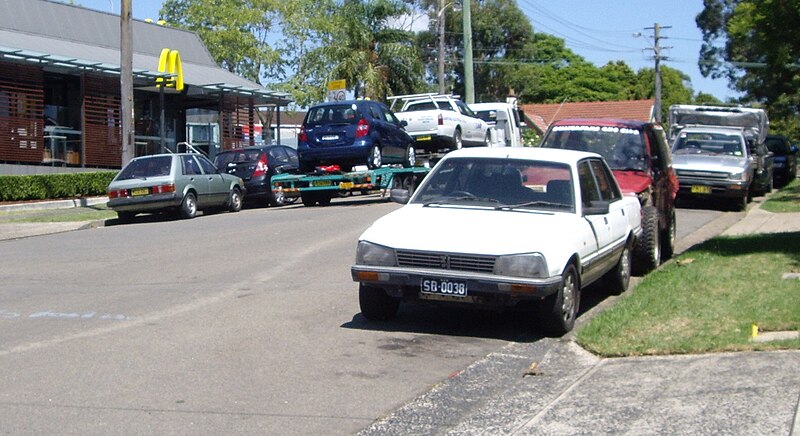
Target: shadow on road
518 324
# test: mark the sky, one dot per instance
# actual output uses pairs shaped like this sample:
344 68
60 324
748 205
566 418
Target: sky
600 31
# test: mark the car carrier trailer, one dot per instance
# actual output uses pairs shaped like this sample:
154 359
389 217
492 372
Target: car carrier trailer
321 186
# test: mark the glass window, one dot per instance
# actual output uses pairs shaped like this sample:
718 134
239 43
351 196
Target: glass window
190 166
589 189
605 181
499 182
149 167
278 156
206 164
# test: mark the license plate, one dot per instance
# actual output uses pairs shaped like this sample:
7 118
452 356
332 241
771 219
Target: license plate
139 191
455 288
321 183
701 189
330 137
424 138
346 185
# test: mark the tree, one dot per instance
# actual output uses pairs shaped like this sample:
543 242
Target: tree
234 31
756 45
675 88
374 58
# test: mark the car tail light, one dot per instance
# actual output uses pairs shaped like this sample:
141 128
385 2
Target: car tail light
261 166
163 189
362 129
441 120
118 193
302 137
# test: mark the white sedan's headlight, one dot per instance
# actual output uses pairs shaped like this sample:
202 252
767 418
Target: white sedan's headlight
368 253
530 265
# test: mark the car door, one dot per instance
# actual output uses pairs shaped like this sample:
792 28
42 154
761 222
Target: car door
597 184
472 124
218 187
395 136
193 177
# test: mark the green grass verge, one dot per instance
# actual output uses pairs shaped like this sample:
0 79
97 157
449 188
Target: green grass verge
787 199
90 213
706 301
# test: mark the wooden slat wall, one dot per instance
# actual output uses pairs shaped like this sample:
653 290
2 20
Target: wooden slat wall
237 111
102 127
21 113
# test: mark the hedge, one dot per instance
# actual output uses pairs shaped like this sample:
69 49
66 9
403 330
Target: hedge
54 186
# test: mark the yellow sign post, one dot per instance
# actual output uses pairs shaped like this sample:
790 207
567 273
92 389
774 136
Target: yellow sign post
336 90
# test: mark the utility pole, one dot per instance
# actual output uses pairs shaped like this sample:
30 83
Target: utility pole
469 85
658 58
440 25
126 81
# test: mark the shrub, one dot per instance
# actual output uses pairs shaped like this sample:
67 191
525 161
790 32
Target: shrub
54 186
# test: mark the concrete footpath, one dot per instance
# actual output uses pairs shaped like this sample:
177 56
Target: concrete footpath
554 387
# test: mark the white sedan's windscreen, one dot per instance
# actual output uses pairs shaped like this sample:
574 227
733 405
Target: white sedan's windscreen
499 183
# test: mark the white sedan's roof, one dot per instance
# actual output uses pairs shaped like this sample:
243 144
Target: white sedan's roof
570 157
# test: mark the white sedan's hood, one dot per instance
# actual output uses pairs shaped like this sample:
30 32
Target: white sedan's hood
470 230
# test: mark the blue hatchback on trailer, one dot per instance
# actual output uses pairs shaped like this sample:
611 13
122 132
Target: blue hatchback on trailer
351 133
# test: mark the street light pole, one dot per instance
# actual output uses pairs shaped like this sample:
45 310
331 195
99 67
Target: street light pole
126 81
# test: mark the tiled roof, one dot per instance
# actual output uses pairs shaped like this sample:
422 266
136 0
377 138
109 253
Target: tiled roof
626 109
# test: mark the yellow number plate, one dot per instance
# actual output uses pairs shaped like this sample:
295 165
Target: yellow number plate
700 189
346 185
321 183
424 138
139 191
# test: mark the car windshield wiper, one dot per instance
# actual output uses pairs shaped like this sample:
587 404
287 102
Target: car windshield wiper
539 203
449 200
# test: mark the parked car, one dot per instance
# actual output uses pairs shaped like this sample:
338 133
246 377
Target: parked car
182 182
717 162
351 133
442 122
256 166
494 227
785 158
641 160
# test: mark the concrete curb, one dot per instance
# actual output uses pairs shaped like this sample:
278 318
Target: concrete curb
54 204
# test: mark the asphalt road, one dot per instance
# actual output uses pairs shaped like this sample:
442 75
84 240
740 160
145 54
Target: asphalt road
243 323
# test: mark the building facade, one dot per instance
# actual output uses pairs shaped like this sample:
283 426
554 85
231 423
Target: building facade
60 90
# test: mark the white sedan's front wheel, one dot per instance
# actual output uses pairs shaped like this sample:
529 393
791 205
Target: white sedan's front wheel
558 311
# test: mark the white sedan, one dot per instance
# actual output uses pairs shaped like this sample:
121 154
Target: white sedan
498 226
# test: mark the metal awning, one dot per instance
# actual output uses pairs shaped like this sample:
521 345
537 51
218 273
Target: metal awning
261 96
74 63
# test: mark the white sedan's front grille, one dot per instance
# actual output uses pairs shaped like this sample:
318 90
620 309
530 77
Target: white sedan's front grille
460 262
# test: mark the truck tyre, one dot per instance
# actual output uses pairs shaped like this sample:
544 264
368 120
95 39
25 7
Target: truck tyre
188 208
375 159
309 199
668 237
410 158
457 144
558 311
275 199
619 277
647 251
324 199
375 304
125 217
